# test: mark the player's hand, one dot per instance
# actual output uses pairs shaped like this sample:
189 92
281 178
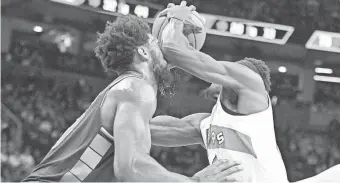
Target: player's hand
181 12
220 171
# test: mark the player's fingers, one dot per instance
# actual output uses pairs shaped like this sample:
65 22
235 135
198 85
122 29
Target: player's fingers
228 173
170 5
183 3
197 29
189 24
192 8
233 163
218 163
231 170
164 12
209 178
227 179
220 167
227 165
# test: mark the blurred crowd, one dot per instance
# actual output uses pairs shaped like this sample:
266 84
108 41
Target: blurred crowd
46 110
302 14
327 96
38 54
47 107
306 154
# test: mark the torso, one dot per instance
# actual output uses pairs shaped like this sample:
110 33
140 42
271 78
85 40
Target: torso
244 133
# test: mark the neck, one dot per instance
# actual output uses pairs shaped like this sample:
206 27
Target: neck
143 70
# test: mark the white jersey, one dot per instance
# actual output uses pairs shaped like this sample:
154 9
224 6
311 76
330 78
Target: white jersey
249 139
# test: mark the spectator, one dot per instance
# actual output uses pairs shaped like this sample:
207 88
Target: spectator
27 159
333 131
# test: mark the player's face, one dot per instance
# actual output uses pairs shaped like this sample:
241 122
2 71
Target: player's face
159 65
212 92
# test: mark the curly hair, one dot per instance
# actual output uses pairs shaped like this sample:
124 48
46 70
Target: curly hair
115 47
260 68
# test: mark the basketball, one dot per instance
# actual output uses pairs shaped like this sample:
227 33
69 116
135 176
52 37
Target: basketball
195 39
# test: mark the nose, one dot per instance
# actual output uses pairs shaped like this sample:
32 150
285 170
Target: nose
215 96
209 95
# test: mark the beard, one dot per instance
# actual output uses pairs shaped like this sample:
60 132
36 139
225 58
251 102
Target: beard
164 78
165 83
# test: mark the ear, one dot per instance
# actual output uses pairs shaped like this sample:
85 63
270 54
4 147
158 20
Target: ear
143 52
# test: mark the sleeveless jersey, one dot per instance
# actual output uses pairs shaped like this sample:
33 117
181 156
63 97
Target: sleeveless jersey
249 139
85 152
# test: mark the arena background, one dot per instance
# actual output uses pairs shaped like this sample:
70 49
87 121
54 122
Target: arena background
50 75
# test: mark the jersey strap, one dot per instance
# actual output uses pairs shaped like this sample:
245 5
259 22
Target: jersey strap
124 76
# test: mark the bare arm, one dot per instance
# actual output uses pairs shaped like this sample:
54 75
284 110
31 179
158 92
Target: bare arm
170 131
132 161
177 51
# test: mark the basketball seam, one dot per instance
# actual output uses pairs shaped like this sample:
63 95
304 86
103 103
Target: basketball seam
198 18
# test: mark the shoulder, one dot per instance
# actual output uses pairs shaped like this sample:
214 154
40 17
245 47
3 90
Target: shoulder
247 78
237 69
196 118
136 90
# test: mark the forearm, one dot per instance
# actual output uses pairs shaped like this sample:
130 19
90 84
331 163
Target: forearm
197 64
176 48
182 57
178 52
173 138
144 169
169 131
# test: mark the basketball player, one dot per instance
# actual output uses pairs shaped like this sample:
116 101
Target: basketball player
111 140
240 126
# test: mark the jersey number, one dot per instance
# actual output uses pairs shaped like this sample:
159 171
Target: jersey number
219 138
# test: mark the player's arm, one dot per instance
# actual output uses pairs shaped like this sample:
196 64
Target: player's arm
180 53
132 161
169 131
